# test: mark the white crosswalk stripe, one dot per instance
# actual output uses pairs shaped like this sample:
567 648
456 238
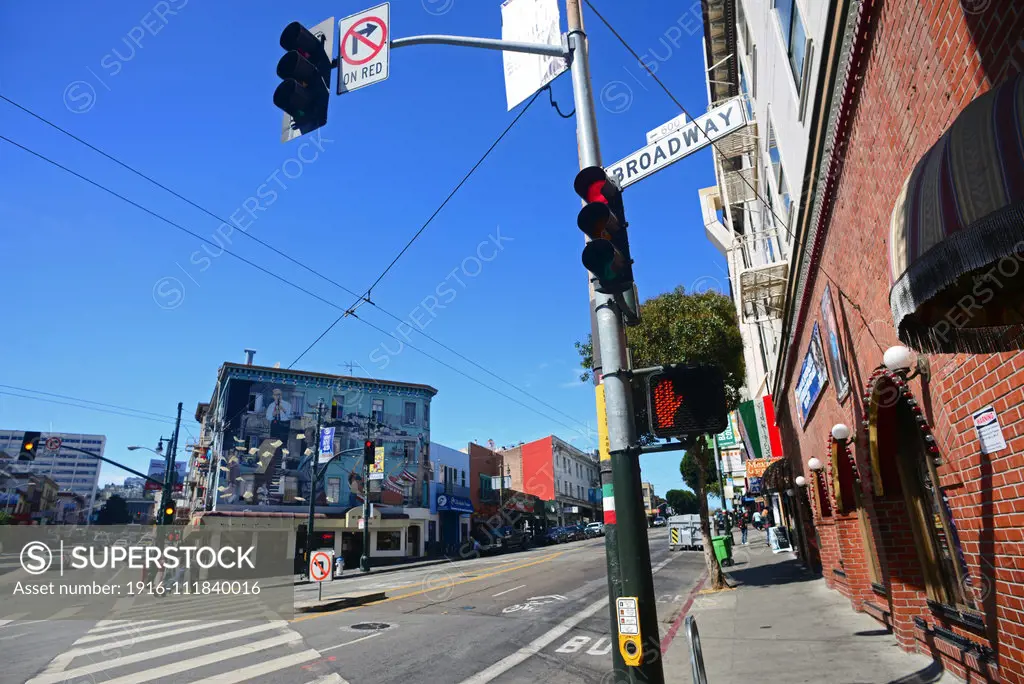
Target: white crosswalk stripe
221 652
13 617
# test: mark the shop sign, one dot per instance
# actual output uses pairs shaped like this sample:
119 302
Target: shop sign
450 502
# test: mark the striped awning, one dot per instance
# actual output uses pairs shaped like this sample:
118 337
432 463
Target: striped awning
957 233
776 476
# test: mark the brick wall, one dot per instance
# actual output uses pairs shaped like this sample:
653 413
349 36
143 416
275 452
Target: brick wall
926 60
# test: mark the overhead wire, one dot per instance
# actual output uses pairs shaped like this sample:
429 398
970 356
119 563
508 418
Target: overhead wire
304 266
162 218
365 296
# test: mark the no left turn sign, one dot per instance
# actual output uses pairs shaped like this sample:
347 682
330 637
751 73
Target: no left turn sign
365 48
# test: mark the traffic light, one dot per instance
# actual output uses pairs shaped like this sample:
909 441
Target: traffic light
305 71
169 511
686 401
603 219
29 446
369 447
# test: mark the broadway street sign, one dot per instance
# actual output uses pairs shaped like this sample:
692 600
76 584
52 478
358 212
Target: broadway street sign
696 135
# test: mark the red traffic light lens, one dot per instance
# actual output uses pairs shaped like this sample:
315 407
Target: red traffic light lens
368 444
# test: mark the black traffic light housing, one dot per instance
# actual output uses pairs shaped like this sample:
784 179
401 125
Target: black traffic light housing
603 219
168 512
369 449
305 70
686 402
29 446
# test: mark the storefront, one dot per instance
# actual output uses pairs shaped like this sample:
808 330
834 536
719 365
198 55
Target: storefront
901 377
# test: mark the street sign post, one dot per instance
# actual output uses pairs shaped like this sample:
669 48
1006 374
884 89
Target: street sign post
53 443
682 142
321 567
365 48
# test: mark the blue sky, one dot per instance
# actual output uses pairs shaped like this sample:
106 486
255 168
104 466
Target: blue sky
93 311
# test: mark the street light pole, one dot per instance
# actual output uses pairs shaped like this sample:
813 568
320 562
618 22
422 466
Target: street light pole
628 551
312 482
364 560
169 473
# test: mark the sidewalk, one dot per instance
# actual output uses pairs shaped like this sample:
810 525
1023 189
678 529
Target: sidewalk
355 572
781 624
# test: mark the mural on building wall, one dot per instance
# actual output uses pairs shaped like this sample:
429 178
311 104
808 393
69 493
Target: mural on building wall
813 377
270 436
835 350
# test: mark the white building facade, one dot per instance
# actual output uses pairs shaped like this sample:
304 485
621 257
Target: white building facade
73 472
766 52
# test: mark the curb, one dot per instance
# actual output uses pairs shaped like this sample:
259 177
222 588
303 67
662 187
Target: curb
342 602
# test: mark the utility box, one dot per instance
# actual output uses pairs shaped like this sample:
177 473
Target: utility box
684 533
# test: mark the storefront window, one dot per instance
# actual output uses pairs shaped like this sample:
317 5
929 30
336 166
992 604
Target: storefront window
389 541
333 489
378 410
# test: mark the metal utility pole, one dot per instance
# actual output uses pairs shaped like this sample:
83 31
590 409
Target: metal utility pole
632 554
721 471
169 472
364 560
312 481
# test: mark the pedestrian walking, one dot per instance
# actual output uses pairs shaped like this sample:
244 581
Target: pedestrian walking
757 520
741 523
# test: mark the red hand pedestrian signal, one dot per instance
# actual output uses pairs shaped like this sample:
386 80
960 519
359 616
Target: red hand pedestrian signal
686 402
666 402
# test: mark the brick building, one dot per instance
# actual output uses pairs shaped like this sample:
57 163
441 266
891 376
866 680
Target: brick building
910 237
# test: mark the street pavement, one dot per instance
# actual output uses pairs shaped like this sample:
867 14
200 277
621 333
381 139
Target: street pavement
516 617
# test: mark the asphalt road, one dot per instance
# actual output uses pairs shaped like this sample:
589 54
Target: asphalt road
519 617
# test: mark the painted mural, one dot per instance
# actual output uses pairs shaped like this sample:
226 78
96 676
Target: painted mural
269 439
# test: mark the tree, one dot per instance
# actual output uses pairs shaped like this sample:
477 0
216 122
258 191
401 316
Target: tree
676 327
114 512
682 501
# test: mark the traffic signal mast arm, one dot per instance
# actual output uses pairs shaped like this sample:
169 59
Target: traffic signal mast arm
113 463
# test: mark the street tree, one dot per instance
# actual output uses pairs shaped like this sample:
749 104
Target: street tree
698 328
114 512
682 501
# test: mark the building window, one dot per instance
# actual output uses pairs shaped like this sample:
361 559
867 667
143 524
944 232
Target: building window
410 413
463 478
389 541
742 27
333 490
377 410
748 102
779 174
410 452
794 36
426 414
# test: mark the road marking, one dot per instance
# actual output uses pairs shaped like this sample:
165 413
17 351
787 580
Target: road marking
132 640
544 640
545 559
55 671
502 593
333 678
255 670
349 643
129 629
12 618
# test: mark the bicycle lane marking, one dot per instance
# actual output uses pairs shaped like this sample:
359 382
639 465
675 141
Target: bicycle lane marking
544 640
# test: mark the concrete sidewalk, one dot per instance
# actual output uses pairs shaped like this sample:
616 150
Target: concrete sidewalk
780 623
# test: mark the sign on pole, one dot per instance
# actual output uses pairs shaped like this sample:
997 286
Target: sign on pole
326 444
53 443
377 467
530 21
320 565
365 48
693 136
666 128
325 32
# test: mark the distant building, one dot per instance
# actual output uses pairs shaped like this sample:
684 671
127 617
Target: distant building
73 472
554 470
258 436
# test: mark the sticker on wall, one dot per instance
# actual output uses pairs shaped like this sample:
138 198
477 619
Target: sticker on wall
990 434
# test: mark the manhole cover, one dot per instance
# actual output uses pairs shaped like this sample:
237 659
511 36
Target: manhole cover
371 626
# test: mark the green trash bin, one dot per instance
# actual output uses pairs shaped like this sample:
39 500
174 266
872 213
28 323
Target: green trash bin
723 549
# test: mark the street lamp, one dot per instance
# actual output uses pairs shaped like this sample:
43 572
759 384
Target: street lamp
815 464
840 432
800 480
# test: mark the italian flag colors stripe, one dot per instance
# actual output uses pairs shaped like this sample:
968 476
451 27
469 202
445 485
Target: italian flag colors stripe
608 500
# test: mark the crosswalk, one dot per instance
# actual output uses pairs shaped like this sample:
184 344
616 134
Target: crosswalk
178 647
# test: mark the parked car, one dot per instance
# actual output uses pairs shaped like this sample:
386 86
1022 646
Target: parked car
659 522
558 535
595 529
510 538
